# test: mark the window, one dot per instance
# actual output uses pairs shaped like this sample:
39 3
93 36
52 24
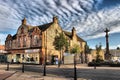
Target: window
22 30
24 41
35 40
19 41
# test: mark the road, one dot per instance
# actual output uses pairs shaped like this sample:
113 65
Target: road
89 73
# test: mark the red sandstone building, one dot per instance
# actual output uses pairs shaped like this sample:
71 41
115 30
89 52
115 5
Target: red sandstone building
30 43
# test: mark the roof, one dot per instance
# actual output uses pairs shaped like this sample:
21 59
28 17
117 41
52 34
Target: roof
69 34
45 26
14 36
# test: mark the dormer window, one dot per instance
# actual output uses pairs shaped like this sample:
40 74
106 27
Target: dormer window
22 30
35 40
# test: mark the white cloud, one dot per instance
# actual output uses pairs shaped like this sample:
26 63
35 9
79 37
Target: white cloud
3 37
81 14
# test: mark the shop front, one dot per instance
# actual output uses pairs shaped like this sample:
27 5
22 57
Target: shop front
26 56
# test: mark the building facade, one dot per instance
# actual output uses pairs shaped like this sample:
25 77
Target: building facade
92 56
115 55
30 43
3 53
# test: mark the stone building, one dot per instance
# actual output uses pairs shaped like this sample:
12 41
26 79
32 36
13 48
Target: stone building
74 40
30 43
92 56
115 54
3 53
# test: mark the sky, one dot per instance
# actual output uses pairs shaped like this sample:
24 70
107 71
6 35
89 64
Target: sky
89 17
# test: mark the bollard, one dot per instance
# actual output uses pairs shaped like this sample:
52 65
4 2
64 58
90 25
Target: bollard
7 66
22 67
95 65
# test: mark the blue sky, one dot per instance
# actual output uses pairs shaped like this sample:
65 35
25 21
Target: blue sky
89 17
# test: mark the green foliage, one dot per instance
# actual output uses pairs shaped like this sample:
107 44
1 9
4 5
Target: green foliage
87 49
98 49
60 42
75 49
118 48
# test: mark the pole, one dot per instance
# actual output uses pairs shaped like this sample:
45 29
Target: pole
75 72
44 74
95 65
22 67
7 66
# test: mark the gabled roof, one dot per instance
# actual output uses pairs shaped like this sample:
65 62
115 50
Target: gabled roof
69 34
80 39
45 26
14 36
31 28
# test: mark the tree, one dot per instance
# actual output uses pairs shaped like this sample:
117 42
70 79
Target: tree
74 50
118 48
87 51
98 49
60 44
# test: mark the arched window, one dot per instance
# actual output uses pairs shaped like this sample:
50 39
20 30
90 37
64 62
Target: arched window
35 40
19 39
24 41
9 44
22 30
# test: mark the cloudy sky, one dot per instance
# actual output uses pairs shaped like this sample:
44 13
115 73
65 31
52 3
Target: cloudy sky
89 17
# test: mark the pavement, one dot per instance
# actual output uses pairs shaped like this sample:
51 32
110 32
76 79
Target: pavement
65 72
34 76
18 75
5 74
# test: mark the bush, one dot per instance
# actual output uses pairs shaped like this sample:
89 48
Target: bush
114 64
94 64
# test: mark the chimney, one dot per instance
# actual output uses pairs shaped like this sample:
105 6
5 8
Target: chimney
24 21
55 19
73 31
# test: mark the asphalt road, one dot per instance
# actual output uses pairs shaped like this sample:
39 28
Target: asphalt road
101 73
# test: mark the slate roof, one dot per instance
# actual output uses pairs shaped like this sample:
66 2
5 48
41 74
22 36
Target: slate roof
45 26
69 34
14 36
